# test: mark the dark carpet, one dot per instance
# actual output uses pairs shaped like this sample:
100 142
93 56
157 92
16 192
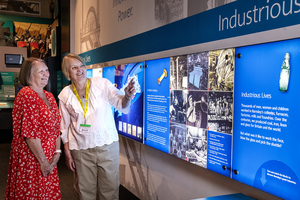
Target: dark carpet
65 177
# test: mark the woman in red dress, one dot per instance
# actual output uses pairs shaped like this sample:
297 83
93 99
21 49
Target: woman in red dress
35 148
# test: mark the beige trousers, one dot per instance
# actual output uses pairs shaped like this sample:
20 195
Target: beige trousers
97 172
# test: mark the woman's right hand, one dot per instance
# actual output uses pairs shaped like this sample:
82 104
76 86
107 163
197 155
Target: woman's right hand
69 159
70 163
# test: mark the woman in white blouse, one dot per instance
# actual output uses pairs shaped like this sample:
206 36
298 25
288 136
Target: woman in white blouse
88 129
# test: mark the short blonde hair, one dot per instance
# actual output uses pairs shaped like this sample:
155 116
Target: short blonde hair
27 69
65 64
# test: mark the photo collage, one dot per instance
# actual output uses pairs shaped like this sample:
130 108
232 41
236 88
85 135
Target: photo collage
201 99
197 99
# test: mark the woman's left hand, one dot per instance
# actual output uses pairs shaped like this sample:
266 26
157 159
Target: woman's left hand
54 160
130 89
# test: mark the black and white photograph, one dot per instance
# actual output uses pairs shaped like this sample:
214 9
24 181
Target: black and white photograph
178 72
220 111
198 6
197 106
177 138
139 132
124 127
178 103
90 29
129 129
196 146
221 70
168 11
216 3
198 71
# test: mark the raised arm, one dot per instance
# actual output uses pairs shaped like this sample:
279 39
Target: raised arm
129 92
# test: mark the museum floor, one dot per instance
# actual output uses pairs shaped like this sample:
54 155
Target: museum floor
65 177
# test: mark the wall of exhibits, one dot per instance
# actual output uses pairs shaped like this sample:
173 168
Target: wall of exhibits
214 111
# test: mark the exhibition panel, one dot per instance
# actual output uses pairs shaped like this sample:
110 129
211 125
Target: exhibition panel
196 124
157 89
131 124
227 101
266 118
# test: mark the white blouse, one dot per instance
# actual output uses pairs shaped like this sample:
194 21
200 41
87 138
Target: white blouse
102 96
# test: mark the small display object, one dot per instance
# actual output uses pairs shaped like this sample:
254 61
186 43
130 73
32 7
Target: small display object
13 59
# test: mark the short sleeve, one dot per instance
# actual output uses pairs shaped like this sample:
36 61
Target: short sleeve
29 127
56 112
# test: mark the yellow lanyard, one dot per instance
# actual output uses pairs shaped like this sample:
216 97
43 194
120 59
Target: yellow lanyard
85 109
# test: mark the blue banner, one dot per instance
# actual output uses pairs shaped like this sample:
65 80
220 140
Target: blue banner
157 92
238 18
266 118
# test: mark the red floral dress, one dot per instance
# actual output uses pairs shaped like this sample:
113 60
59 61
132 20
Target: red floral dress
32 118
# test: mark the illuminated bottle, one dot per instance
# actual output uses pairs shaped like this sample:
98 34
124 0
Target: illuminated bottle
285 74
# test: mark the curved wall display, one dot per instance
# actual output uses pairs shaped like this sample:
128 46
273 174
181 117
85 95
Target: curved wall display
226 101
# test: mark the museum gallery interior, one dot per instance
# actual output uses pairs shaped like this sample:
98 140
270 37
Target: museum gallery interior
214 112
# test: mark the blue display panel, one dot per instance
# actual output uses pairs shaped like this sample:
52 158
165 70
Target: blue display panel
266 143
109 73
157 92
131 124
89 73
219 153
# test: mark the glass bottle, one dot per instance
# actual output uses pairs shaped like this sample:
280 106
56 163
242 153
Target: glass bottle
285 74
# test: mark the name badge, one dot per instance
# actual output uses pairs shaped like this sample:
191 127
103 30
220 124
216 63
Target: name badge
85 128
